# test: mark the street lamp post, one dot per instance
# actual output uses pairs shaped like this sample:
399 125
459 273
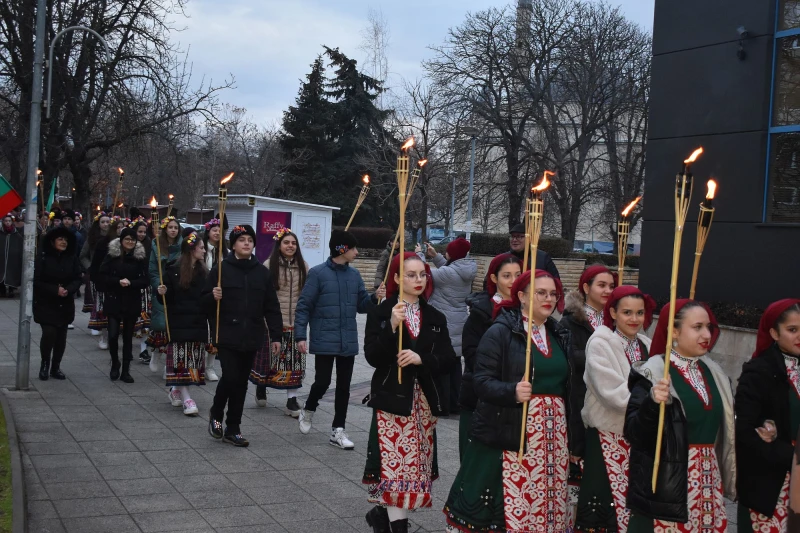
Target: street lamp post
473 133
452 231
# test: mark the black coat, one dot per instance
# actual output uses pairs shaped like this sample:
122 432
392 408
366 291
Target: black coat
670 500
433 346
543 262
188 321
481 308
98 256
762 394
499 366
574 319
54 269
123 301
248 299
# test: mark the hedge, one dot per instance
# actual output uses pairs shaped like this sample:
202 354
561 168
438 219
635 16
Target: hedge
730 314
497 243
631 261
370 237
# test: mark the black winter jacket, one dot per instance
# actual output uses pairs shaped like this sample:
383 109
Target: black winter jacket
575 320
762 394
434 349
543 262
499 366
187 318
123 301
98 256
481 308
54 269
248 300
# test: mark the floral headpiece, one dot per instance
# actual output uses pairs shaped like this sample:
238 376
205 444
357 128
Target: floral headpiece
191 240
136 221
78 215
97 217
211 223
11 216
281 233
52 215
166 220
239 229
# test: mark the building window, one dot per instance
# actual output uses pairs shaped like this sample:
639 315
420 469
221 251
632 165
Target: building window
782 198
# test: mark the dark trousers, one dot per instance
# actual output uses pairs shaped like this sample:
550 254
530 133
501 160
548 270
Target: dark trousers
232 387
127 326
54 340
323 370
451 387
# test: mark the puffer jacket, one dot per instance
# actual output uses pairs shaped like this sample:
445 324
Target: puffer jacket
499 366
451 285
329 302
481 308
187 317
670 501
157 320
123 301
383 265
289 292
575 320
52 271
432 345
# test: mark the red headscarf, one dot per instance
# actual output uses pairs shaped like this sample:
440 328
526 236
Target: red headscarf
659 344
628 290
521 283
491 286
591 272
392 287
768 319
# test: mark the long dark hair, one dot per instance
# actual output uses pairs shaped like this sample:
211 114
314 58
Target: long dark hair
187 267
222 247
162 237
146 242
275 262
94 232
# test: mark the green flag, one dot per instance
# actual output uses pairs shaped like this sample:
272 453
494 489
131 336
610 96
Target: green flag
52 197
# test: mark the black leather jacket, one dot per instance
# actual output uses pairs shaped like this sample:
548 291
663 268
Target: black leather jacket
481 308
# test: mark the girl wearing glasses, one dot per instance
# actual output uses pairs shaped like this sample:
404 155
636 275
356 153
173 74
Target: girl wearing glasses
494 490
401 462
610 352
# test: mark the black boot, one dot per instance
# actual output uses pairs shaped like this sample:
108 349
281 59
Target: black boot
378 520
399 526
114 368
125 376
55 369
44 370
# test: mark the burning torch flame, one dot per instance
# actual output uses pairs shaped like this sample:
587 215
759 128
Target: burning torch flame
630 207
153 203
422 163
226 179
121 172
98 208
694 156
171 196
545 183
38 172
712 189
366 179
408 144
121 205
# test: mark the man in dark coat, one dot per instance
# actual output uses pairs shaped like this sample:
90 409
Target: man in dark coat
11 263
543 259
246 299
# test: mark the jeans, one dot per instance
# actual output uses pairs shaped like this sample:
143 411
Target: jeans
232 387
54 340
323 368
128 324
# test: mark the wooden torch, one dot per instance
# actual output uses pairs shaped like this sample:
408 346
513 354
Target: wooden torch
704 221
623 231
223 200
683 194
171 203
40 187
155 221
119 188
402 188
534 218
362 195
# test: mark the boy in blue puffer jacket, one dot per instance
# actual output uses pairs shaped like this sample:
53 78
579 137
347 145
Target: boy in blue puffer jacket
332 296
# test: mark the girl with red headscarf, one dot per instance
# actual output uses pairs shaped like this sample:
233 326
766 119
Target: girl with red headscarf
400 465
767 419
500 276
698 462
493 491
610 352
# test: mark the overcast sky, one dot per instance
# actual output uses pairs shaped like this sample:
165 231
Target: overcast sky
268 45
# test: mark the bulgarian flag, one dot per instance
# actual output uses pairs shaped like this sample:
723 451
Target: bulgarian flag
9 199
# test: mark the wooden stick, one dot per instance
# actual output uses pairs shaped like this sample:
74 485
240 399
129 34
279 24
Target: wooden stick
219 259
703 229
527 234
402 183
397 235
623 230
161 274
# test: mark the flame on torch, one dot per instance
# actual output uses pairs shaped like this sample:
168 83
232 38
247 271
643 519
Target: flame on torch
121 204
153 203
712 189
226 179
121 172
171 196
365 179
627 210
38 172
422 162
408 144
692 158
545 183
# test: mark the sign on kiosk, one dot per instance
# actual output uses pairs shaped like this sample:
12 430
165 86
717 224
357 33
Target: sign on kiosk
267 225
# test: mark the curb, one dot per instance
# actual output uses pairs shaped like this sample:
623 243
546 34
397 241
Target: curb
19 520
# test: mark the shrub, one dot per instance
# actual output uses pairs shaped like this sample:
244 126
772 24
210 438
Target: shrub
631 261
730 314
497 243
370 237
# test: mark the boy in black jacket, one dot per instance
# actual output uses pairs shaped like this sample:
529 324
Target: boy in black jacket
249 300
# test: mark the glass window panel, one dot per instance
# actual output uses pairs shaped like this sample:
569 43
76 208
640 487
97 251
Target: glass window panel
786 103
784 179
789 16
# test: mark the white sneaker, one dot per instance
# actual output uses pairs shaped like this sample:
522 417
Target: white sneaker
340 439
189 407
211 375
305 419
103 344
70 326
153 360
94 332
176 398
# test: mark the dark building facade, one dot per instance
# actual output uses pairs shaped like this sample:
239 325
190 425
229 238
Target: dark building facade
726 76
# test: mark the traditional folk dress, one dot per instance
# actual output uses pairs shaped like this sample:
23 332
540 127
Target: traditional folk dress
493 491
401 452
186 363
185 356
704 411
601 504
97 318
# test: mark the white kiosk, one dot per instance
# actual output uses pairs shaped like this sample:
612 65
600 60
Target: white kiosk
310 222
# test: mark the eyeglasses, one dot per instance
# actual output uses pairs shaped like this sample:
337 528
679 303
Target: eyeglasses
414 277
543 295
128 239
517 237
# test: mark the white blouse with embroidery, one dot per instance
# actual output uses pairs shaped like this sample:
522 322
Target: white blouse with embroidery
793 371
413 318
689 368
595 317
538 336
633 350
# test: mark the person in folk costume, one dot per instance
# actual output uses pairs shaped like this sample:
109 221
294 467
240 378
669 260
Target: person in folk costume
287 369
141 227
56 278
401 454
610 352
503 271
583 314
170 241
98 320
767 420
186 353
215 242
11 241
698 459
492 490
249 310
123 275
